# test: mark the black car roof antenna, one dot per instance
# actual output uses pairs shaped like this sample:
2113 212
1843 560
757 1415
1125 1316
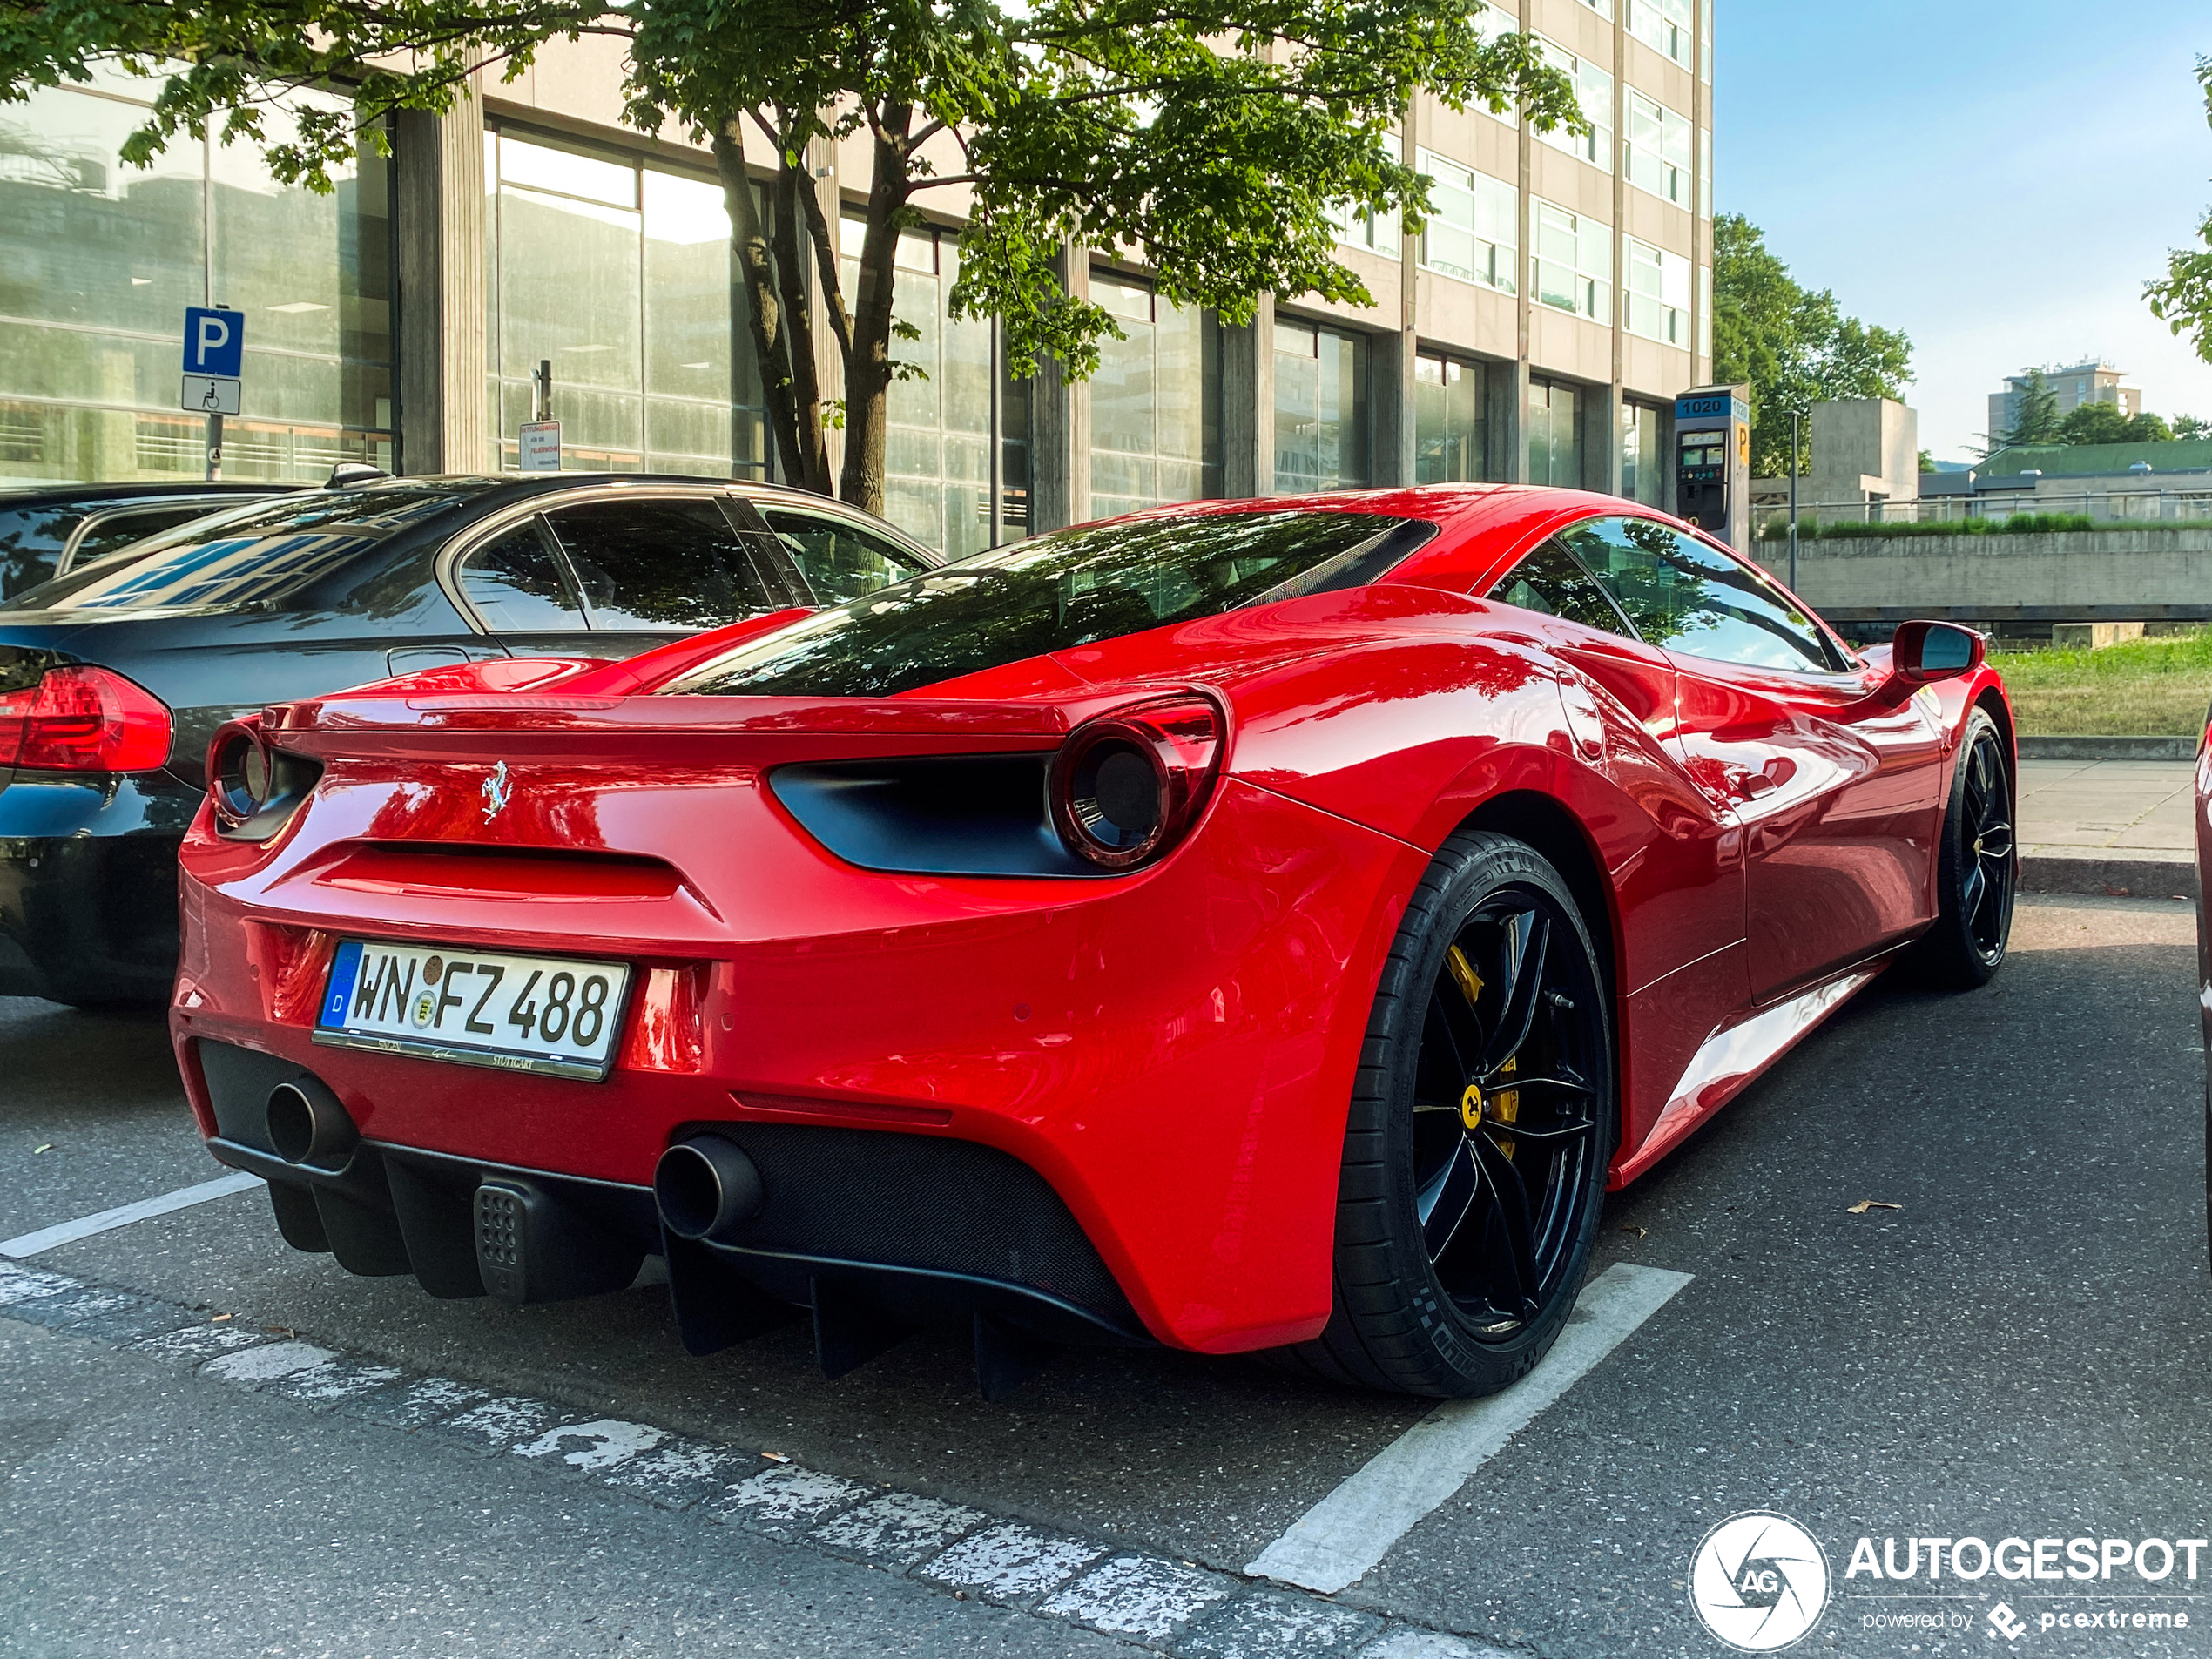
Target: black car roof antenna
355 472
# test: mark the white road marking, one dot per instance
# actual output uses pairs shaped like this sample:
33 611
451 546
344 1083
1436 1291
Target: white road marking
1010 1560
1339 1540
267 1364
1139 1595
601 1444
68 1232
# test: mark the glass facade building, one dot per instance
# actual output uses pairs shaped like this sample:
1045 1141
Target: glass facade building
1320 408
1450 427
619 274
1535 326
99 260
1155 402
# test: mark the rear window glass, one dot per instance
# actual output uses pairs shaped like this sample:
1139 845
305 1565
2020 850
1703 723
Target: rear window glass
1068 589
249 557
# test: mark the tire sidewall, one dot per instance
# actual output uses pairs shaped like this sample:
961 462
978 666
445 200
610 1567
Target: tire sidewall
1482 866
1971 965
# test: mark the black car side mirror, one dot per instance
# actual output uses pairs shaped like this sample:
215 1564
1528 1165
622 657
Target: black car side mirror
1925 651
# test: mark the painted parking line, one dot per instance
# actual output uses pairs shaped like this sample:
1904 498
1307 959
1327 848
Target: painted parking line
68 1232
1338 1541
1175 1607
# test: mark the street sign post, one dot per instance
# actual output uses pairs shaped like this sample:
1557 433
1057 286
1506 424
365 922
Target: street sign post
214 355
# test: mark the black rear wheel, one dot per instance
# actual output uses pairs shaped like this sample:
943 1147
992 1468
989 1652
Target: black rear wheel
1978 869
1476 1150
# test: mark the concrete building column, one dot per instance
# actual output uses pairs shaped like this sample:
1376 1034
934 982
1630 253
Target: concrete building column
1609 478
1248 405
1060 426
439 218
1389 403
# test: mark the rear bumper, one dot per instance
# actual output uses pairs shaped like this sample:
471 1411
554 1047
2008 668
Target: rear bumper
1143 1082
933 1229
88 885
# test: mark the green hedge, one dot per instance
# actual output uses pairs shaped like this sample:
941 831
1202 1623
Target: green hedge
1810 529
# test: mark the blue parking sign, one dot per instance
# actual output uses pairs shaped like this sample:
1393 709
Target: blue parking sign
214 341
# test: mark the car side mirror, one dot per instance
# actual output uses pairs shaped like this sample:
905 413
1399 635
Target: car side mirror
1926 651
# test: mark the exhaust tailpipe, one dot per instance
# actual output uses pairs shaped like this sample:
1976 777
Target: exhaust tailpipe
704 1186
307 1124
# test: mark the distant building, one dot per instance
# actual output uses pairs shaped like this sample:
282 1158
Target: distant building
2091 382
1865 451
2170 479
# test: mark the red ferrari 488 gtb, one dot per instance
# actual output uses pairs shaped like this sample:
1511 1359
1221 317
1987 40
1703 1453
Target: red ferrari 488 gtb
1248 926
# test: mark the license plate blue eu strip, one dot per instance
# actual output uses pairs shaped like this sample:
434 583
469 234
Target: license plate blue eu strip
344 971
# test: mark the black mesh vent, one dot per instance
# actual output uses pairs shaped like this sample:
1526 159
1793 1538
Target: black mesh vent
917 1201
499 1219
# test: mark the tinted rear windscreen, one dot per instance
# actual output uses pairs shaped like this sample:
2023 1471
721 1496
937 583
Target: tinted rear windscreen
1068 589
253 557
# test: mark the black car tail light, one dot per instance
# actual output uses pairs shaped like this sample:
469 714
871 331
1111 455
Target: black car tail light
83 718
254 786
1127 786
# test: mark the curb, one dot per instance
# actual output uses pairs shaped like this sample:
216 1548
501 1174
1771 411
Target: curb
1150 1601
2092 748
2142 876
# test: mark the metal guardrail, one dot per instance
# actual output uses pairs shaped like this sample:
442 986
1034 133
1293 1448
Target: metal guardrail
2116 509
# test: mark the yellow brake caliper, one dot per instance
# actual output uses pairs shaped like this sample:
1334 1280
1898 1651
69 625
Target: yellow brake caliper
1505 1106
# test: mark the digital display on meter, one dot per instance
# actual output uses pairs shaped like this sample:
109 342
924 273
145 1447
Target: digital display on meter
1704 456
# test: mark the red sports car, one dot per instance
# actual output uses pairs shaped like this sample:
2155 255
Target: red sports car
1248 926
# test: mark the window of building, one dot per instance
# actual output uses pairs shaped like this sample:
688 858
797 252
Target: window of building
946 424
1603 8
1155 402
1705 47
1658 149
1450 427
1320 408
619 273
1357 227
1667 26
100 260
1573 262
1656 300
1473 226
1705 173
1642 460
1555 434
1594 90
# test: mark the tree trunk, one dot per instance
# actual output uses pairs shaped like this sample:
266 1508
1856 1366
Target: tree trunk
757 271
791 278
868 365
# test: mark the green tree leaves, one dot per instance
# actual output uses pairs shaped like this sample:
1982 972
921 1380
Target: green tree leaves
1793 345
1208 139
2182 298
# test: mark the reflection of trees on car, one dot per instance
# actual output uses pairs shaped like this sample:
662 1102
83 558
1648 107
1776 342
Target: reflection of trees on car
1056 592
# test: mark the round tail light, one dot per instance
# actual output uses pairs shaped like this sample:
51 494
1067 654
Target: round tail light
1129 785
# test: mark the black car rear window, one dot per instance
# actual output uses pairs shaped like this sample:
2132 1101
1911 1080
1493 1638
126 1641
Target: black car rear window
1068 589
253 557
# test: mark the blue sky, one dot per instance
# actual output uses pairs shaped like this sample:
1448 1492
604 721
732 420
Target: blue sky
1998 180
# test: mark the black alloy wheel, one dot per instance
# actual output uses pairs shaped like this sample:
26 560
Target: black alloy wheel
1988 867
1481 1124
1503 1101
1978 865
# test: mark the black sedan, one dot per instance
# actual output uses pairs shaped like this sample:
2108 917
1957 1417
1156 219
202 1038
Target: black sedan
46 529
114 675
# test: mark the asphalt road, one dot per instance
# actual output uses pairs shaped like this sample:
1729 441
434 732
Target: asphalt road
2020 1349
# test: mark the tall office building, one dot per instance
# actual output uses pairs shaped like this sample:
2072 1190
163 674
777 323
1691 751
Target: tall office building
1537 330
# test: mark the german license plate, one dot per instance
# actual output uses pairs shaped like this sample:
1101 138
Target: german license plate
541 1014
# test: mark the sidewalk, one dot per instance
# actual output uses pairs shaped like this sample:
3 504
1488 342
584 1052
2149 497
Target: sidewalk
2107 827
